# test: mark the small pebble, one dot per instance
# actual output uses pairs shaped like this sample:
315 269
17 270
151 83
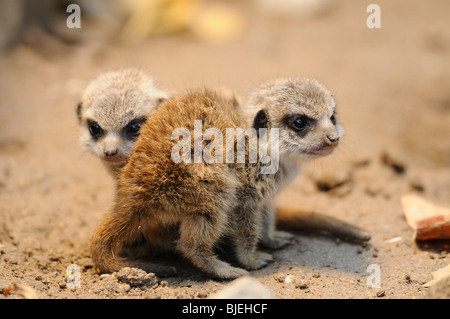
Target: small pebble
123 288
302 286
136 277
103 276
202 294
288 279
408 278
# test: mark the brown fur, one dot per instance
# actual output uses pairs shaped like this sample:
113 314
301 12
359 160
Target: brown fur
199 199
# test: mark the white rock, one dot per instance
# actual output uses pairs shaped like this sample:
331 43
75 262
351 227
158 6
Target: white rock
244 288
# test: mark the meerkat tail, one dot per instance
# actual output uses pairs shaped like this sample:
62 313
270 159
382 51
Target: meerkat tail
106 245
105 248
314 222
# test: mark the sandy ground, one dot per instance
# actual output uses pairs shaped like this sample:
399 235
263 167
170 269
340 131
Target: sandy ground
393 89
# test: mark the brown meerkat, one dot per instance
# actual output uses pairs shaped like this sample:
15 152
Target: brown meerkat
112 110
191 207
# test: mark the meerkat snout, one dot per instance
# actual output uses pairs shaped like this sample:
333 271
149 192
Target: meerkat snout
109 153
336 132
325 140
333 138
111 148
331 134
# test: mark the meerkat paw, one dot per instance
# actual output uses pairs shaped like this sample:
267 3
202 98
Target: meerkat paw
255 261
278 240
263 259
232 273
224 270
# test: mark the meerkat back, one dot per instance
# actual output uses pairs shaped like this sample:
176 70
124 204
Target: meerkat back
156 158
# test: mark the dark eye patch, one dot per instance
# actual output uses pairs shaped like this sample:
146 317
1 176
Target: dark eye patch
133 129
95 129
79 107
298 122
333 119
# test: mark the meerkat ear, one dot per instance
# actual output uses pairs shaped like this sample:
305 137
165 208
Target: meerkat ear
260 121
161 99
79 106
235 101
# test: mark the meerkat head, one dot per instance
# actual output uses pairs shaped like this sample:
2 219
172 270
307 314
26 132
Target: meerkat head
303 110
113 108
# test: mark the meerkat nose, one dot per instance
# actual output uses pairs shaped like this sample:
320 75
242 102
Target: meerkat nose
110 153
333 138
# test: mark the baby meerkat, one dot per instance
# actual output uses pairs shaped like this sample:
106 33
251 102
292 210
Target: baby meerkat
113 108
299 108
191 205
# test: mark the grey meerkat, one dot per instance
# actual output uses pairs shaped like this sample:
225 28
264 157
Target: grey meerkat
300 101
112 110
192 207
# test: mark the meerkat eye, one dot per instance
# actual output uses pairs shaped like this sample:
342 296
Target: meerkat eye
95 130
333 119
133 129
299 123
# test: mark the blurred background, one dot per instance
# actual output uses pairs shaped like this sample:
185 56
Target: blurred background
393 79
392 86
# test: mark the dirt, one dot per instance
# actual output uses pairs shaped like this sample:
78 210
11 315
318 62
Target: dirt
392 86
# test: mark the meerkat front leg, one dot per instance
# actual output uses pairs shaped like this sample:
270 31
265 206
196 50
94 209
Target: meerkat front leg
272 238
247 230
